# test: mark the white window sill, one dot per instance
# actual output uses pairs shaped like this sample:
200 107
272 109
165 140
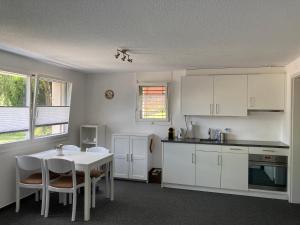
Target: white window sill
40 140
154 123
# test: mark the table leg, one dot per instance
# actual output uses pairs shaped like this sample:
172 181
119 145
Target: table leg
112 180
107 180
87 193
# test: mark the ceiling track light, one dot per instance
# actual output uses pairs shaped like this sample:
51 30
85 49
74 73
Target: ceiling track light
125 55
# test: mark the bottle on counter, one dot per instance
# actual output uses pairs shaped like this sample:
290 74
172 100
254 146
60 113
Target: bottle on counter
171 133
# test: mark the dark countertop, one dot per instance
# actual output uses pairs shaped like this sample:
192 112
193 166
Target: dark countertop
269 144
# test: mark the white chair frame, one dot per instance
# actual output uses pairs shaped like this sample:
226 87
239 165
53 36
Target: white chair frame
61 166
95 180
68 148
29 163
73 148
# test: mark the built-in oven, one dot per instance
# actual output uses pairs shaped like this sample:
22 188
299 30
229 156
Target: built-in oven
268 172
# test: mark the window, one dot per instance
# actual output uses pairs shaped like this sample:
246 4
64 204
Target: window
14 107
52 107
32 107
153 102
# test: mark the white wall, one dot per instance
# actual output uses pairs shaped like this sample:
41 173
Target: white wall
119 113
20 64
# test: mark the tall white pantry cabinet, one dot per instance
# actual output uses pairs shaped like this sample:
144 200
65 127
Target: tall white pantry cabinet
132 155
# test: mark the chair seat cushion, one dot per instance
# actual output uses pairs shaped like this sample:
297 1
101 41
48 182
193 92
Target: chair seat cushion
66 182
35 178
94 173
97 173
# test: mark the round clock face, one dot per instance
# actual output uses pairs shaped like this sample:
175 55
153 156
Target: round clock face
109 94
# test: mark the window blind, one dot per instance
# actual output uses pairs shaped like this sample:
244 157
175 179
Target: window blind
14 119
153 102
52 115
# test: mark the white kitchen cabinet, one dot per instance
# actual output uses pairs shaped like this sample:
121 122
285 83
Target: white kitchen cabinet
132 156
208 169
139 151
197 95
219 95
230 95
178 163
121 150
266 92
234 168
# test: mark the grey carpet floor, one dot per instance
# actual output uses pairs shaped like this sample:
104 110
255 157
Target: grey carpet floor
147 204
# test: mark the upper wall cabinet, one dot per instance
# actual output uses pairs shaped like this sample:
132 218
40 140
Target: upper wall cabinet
220 95
230 95
197 95
266 92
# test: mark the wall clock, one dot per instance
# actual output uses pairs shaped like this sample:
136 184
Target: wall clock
109 94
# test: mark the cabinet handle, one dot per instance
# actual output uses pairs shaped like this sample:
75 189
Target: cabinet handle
131 157
211 109
193 158
217 108
266 150
236 149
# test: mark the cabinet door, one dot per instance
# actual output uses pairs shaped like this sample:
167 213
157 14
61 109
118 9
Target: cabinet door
266 92
234 171
208 169
230 95
197 95
178 163
121 146
138 157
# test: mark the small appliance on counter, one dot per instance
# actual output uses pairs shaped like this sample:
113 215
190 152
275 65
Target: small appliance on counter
190 131
180 133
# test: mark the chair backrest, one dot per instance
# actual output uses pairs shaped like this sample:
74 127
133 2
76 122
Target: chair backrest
60 166
73 148
28 163
98 149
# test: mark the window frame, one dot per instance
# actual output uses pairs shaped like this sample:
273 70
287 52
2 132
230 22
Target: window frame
152 121
31 104
34 107
28 103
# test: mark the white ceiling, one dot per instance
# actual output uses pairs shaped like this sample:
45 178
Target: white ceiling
167 34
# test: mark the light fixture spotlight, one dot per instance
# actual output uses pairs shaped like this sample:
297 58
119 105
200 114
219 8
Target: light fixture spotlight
117 55
125 54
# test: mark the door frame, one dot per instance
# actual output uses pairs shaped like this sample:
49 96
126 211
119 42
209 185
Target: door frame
291 138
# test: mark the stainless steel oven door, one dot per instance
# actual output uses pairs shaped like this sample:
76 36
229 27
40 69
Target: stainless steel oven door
270 175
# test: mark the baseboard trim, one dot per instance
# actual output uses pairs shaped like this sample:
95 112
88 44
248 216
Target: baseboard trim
12 204
251 193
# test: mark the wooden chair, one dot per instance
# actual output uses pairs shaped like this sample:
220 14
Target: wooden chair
98 173
68 182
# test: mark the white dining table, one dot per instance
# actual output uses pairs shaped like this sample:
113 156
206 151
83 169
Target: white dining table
85 161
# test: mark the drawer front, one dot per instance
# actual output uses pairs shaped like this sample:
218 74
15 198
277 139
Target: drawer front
208 148
269 151
235 149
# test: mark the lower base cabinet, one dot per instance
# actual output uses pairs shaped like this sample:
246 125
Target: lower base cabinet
206 166
178 164
208 169
132 156
234 171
